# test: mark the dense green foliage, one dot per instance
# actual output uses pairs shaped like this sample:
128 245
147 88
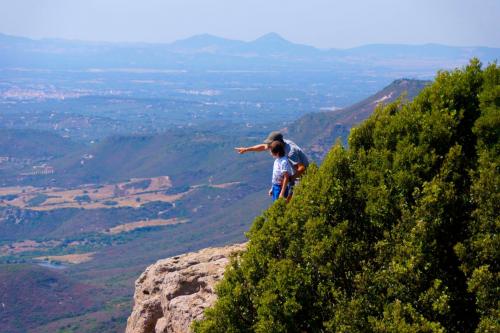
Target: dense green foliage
398 233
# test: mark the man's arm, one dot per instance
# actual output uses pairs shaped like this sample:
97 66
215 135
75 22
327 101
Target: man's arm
299 170
259 147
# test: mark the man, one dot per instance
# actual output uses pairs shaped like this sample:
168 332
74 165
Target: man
296 156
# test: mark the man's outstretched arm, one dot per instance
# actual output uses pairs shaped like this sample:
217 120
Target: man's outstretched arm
259 147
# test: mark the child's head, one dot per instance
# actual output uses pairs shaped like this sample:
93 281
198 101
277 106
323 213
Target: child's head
277 148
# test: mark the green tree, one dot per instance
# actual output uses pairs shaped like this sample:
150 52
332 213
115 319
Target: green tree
397 233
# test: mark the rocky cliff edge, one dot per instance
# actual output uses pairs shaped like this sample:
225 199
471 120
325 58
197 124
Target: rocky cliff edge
173 292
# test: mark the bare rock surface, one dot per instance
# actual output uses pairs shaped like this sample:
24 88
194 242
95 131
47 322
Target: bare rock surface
173 292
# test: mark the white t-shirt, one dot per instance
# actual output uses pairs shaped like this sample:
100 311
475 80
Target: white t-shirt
281 165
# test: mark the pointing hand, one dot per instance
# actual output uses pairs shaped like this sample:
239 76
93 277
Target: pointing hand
240 150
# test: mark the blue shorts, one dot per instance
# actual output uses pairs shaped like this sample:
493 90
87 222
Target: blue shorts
277 191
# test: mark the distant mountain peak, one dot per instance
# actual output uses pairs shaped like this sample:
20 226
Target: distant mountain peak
206 41
206 38
271 37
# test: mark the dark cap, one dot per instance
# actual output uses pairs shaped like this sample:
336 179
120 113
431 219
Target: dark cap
274 136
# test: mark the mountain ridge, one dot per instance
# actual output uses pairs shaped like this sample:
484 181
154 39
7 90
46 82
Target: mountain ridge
270 36
209 51
318 131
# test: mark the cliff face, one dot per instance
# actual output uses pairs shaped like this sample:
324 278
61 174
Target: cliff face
173 292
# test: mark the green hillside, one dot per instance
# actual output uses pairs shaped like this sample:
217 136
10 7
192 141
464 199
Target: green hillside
22 143
397 233
188 157
194 156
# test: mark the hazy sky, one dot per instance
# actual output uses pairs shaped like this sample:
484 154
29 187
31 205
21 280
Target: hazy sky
322 23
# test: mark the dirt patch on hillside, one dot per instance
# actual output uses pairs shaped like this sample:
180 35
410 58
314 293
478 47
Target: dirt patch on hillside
133 193
143 224
69 258
28 245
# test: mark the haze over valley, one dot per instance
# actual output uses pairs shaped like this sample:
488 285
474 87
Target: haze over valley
114 155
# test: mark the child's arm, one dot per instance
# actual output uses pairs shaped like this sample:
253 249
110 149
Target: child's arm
284 184
271 192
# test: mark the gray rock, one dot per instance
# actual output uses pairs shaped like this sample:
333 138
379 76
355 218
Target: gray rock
173 292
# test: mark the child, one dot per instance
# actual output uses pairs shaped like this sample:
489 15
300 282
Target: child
282 171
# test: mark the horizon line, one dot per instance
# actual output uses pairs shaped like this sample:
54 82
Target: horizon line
240 40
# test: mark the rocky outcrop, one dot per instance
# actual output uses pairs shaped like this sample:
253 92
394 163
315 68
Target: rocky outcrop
173 292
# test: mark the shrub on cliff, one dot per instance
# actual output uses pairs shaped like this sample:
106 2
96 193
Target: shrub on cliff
398 233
